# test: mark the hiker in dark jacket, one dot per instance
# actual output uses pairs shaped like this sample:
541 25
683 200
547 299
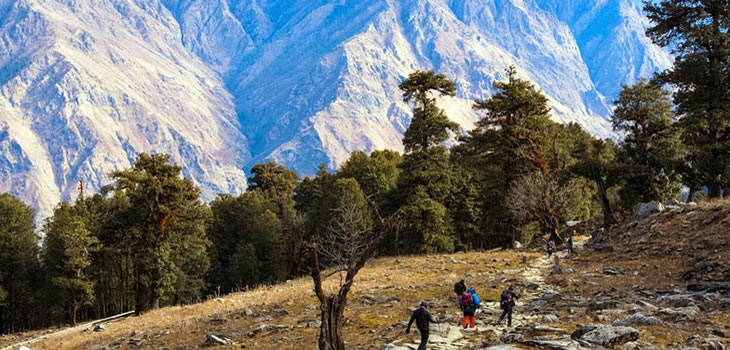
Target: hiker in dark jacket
507 302
422 318
570 243
550 248
459 289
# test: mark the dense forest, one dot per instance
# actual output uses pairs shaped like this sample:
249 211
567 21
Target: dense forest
147 240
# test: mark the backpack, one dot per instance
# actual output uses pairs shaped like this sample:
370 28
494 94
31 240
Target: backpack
467 302
505 299
459 288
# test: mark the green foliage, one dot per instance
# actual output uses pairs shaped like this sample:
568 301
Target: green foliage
19 267
247 241
430 126
165 211
699 32
425 183
377 174
652 148
66 257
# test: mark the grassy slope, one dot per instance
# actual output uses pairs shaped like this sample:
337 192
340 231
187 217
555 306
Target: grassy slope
410 279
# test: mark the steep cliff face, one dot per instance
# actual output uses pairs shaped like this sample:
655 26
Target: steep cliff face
223 84
88 85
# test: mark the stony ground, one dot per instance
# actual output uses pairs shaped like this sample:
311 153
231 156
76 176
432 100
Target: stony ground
656 283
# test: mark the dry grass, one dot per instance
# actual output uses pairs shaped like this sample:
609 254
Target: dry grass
409 279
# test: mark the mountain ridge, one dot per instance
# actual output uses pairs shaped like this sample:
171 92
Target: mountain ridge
224 84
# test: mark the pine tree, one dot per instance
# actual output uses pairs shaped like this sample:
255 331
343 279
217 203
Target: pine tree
164 211
652 148
513 139
67 256
699 33
425 181
19 267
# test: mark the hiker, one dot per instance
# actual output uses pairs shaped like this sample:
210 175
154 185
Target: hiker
506 303
570 243
550 248
469 303
459 289
422 318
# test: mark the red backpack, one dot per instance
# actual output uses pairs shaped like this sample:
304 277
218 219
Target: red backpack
467 302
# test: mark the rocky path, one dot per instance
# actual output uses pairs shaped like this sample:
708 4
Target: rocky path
532 288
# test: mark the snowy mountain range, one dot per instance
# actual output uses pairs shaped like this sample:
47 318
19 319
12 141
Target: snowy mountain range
85 85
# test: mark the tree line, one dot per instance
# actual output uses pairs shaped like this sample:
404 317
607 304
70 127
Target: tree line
147 240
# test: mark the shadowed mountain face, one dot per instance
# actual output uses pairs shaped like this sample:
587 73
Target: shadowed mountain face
223 84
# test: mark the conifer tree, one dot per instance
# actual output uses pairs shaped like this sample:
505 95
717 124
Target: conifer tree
66 255
164 211
652 148
699 33
19 267
514 138
425 181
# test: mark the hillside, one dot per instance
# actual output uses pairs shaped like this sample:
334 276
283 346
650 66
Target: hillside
657 283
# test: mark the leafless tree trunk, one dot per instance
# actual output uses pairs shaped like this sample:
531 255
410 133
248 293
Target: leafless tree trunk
349 243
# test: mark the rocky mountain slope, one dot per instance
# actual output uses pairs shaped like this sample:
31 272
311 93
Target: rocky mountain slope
223 84
656 283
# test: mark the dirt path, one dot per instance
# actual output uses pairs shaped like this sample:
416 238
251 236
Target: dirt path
449 337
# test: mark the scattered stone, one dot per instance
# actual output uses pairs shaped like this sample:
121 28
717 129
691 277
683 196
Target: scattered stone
580 332
602 247
643 210
163 333
718 333
136 341
549 319
135 333
612 271
99 328
639 320
247 312
611 336
216 339
220 300
601 305
309 323
262 318
561 270
680 311
722 287
217 318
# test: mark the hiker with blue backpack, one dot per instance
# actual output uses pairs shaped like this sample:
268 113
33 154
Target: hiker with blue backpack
469 303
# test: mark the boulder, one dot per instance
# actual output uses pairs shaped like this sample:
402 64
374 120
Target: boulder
216 339
561 270
612 271
582 331
560 344
680 311
639 320
611 336
549 319
99 328
643 210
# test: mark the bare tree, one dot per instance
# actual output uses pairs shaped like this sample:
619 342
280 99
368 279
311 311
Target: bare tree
538 197
351 238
